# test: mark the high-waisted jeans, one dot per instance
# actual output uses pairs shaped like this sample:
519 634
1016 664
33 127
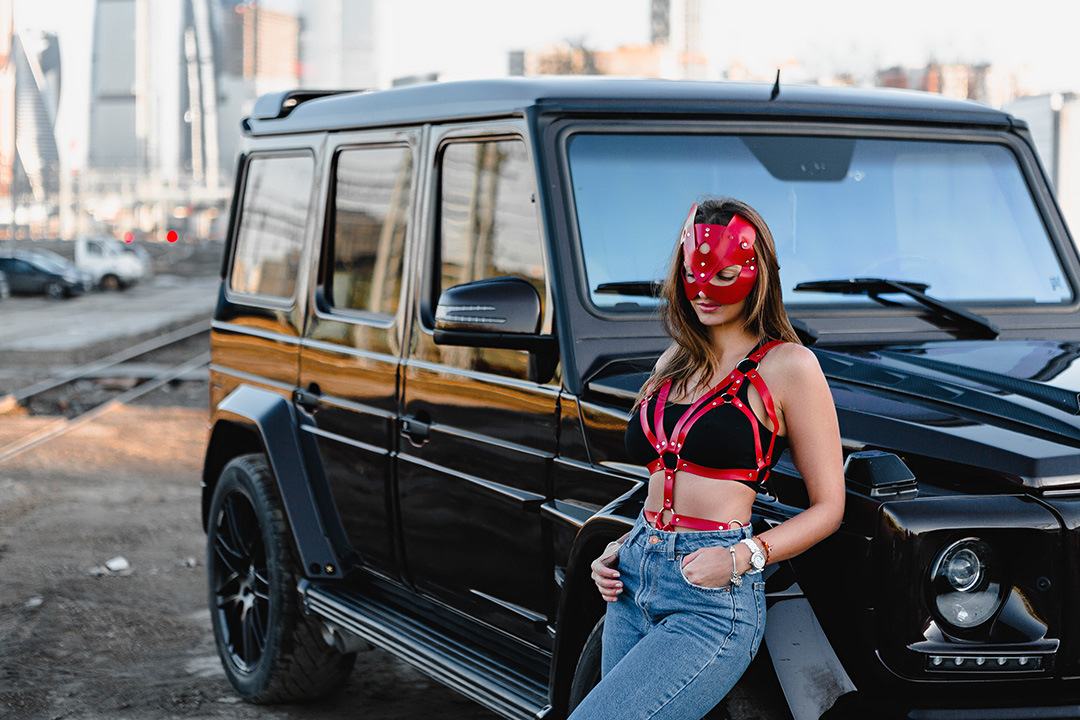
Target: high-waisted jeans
672 649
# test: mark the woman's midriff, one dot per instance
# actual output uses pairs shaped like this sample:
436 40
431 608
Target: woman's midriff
696 496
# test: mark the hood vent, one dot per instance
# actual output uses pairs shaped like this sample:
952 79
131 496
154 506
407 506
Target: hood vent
882 474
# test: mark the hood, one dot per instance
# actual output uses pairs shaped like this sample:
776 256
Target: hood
1011 407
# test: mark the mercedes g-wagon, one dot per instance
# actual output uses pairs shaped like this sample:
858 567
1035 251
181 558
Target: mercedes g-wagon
438 303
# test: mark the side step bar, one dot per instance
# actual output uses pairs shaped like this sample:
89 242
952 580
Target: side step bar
430 650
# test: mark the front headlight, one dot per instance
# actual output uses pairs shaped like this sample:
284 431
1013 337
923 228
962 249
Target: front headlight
964 585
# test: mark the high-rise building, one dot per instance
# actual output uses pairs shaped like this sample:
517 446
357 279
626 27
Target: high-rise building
37 160
676 27
262 47
170 81
339 45
29 159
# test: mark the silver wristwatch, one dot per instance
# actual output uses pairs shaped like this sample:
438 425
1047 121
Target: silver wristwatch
757 558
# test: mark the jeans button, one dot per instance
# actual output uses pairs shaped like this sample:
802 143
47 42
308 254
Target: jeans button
653 540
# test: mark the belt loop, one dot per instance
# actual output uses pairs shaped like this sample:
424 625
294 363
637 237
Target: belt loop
672 537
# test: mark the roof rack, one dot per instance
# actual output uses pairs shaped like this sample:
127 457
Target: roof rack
273 106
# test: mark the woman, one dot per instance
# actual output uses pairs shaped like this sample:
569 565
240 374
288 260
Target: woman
686 601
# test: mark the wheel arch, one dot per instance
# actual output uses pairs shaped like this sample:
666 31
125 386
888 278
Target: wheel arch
580 605
252 419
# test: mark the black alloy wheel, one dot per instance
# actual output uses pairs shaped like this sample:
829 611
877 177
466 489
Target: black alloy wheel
270 650
241 582
54 289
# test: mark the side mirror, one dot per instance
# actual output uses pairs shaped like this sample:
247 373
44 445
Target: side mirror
504 305
500 312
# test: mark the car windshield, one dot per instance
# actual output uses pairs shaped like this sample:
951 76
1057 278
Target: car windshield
956 216
48 263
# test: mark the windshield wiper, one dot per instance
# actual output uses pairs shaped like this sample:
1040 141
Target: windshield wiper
875 287
641 288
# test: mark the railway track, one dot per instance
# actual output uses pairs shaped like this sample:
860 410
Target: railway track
84 393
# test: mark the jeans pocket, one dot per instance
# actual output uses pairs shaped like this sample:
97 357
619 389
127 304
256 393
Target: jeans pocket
695 586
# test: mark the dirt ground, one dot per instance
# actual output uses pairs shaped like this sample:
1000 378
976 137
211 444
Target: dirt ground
80 641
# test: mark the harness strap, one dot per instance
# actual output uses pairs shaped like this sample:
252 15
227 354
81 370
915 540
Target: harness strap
724 392
688 522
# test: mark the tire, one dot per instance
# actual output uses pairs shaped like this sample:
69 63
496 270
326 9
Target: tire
54 290
270 650
111 283
757 695
587 671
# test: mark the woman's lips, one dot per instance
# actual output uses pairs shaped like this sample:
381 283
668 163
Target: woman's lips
707 306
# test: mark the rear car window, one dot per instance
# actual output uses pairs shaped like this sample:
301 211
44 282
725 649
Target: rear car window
277 198
371 209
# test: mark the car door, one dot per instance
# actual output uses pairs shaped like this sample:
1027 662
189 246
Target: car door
352 344
479 429
22 276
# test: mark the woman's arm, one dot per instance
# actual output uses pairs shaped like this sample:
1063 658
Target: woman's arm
809 416
805 407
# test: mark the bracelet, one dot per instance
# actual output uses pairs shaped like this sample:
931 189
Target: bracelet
736 578
764 547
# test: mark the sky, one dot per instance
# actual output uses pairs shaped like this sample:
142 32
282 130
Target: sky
808 38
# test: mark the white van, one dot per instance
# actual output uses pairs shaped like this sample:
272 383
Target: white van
106 258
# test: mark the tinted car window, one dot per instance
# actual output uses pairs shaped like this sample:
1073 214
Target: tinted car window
272 219
371 207
488 228
956 216
488 224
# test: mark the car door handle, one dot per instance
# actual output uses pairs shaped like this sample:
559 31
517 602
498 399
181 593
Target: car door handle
308 399
416 430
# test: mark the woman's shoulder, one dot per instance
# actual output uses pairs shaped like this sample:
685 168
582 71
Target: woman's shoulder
665 357
791 361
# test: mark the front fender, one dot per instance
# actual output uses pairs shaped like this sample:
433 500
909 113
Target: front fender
251 419
808 669
580 605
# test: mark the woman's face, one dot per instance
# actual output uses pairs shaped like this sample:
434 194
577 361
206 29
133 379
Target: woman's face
711 313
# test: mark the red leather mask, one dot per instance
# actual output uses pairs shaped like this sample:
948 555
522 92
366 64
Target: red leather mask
708 249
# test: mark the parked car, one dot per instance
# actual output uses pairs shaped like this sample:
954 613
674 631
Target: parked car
62 264
29 273
438 304
109 262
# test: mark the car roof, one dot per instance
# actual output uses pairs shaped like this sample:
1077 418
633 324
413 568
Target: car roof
310 111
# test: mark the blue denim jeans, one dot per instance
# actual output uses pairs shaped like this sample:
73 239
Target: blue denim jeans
671 649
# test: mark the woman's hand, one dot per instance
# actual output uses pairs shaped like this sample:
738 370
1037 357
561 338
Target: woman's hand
605 575
708 567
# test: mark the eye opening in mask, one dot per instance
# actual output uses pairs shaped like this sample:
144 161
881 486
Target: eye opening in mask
725 276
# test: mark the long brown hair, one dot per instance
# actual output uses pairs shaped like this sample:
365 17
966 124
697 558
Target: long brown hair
692 355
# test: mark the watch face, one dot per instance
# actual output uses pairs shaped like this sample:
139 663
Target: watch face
757 560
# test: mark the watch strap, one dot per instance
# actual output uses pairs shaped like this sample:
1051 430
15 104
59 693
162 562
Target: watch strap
755 552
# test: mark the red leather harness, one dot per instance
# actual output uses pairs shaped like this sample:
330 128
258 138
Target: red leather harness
668 450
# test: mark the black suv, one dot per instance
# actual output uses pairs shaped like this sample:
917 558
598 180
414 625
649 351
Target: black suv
438 303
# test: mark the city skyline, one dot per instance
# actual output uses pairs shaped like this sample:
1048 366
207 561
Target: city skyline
830 38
